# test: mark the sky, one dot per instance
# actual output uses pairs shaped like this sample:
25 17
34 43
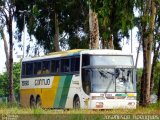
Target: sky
126 47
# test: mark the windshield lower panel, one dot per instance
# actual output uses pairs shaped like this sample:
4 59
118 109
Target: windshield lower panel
103 80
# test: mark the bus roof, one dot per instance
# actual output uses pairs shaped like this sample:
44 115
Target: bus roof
105 52
55 55
77 52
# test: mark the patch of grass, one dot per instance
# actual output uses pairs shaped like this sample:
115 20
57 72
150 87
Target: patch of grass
155 105
38 111
16 109
3 105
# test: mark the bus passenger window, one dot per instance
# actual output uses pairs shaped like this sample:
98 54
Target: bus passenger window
75 63
45 67
37 68
29 68
23 69
55 66
65 65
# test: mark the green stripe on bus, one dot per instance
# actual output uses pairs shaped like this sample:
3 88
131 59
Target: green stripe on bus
121 94
65 91
59 91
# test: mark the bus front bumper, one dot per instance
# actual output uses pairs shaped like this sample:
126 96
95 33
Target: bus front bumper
103 102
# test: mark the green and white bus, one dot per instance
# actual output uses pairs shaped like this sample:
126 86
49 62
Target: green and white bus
86 79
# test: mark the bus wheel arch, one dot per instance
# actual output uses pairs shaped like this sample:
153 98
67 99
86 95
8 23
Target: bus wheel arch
76 102
38 101
32 101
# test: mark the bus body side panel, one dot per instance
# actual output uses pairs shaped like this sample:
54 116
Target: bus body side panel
25 96
73 90
62 91
76 89
44 90
59 92
48 94
54 95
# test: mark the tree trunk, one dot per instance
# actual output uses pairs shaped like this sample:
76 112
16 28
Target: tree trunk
5 48
147 51
94 30
140 40
56 36
158 95
146 77
110 42
11 91
156 51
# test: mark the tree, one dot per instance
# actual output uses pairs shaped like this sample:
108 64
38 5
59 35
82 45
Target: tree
156 45
148 24
4 85
7 10
4 81
50 20
16 78
93 28
5 47
156 79
115 20
139 74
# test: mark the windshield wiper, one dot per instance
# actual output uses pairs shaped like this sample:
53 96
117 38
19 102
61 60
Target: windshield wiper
103 74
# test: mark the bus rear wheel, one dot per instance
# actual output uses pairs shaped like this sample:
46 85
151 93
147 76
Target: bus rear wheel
76 102
32 102
38 101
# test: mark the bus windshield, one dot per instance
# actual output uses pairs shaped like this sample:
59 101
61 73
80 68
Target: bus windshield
108 74
105 80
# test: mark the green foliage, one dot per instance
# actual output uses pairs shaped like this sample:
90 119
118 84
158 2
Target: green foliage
16 78
115 18
4 83
154 105
139 75
156 78
72 17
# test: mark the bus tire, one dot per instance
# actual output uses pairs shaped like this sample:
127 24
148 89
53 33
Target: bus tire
32 102
76 102
38 101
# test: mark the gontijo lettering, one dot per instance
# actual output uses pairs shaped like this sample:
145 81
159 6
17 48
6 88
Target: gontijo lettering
25 83
42 82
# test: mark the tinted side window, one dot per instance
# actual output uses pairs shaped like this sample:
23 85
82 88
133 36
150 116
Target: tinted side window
45 67
75 63
37 68
23 69
65 65
86 84
55 66
85 60
29 68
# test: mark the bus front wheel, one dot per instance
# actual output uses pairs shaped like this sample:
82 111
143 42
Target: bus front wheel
76 102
